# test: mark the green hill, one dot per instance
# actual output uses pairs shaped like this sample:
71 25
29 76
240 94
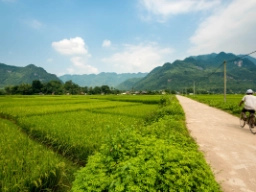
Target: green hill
128 84
203 71
13 75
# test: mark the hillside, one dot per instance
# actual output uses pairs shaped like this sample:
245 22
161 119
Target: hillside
13 75
128 83
205 71
110 79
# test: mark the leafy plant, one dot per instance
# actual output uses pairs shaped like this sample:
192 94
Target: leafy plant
131 162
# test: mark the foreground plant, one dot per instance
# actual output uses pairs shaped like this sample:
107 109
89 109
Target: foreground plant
131 162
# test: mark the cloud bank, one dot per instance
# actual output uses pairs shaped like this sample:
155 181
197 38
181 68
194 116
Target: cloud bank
142 57
165 8
231 29
77 49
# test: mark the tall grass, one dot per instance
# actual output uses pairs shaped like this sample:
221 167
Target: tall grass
28 166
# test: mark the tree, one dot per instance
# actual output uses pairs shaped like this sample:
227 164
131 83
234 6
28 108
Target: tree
36 86
25 89
53 87
71 87
2 92
8 90
14 89
105 89
97 90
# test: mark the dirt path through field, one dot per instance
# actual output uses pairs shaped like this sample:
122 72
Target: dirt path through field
229 149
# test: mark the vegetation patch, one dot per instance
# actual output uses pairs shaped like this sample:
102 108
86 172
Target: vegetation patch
231 105
29 166
159 157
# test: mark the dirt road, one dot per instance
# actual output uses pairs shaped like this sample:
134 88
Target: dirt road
229 149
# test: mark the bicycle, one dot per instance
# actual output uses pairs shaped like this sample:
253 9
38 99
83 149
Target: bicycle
250 120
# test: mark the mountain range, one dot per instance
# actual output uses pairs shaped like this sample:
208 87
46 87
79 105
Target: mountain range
92 80
13 75
205 72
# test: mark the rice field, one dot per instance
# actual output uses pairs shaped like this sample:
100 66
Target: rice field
48 133
45 140
28 166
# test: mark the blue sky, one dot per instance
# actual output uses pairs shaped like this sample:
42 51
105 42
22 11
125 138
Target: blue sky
122 36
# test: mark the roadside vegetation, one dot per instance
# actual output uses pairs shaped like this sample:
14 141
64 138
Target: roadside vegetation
231 105
99 143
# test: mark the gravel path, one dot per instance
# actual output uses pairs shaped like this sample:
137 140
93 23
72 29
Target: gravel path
229 149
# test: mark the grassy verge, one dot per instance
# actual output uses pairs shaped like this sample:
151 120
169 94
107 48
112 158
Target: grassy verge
231 105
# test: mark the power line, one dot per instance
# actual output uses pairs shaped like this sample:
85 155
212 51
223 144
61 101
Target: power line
215 70
210 74
230 61
241 56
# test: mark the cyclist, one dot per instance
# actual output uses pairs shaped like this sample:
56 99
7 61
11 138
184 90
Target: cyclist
249 101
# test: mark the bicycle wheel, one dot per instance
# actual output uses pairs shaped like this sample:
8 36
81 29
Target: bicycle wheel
252 124
242 122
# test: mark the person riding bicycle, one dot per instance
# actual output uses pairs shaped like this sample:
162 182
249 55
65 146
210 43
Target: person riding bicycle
249 101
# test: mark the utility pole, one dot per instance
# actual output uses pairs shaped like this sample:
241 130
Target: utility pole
225 80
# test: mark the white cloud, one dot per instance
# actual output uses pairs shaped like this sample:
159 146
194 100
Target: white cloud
49 60
70 70
106 43
81 67
231 29
72 46
165 8
138 58
34 24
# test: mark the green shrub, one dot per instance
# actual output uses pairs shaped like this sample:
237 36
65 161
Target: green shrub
164 100
131 162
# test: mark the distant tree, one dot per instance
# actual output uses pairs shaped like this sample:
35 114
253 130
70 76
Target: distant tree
71 87
97 90
173 92
115 91
14 89
90 91
190 90
167 91
2 92
85 89
25 89
105 89
8 90
53 87
37 86
68 86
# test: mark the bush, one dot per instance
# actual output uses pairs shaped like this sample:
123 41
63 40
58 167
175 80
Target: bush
131 162
164 100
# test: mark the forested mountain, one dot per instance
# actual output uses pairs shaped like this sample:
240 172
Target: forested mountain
250 58
128 84
110 79
203 71
13 75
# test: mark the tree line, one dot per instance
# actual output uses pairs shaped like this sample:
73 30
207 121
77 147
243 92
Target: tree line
55 87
